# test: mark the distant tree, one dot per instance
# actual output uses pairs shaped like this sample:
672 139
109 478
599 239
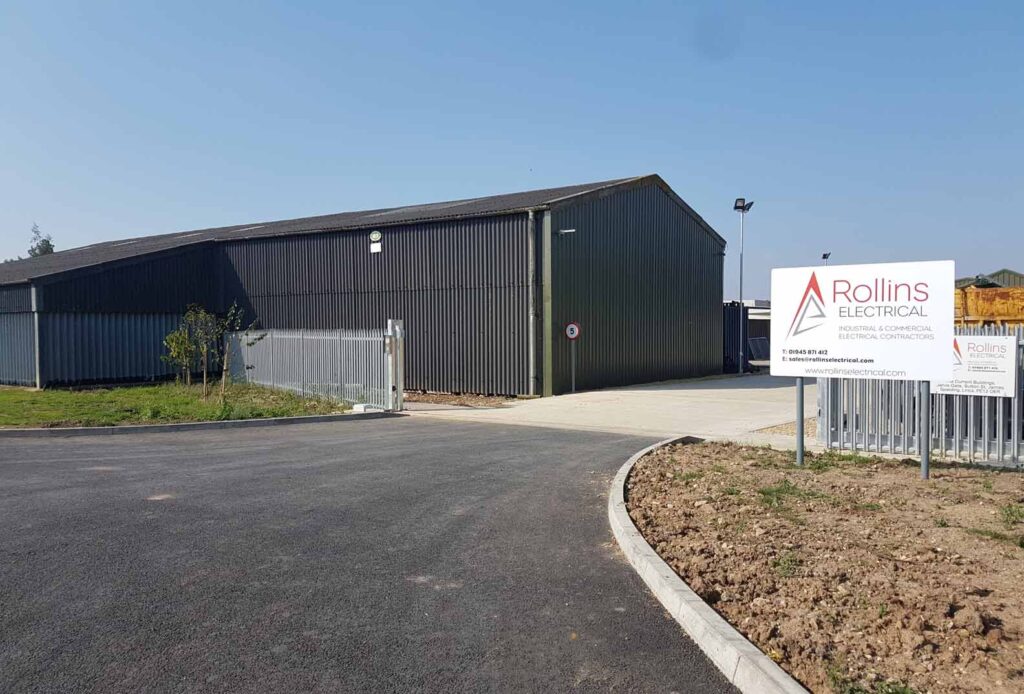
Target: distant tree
201 337
181 352
205 330
42 244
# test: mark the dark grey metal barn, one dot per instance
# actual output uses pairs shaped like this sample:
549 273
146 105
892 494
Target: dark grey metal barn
485 287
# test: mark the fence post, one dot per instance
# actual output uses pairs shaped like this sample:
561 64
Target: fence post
925 449
1015 408
389 388
393 354
400 365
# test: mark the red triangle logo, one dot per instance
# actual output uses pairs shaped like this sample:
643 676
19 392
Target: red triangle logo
810 313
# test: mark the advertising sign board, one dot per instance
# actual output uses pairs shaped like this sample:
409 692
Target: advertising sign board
982 365
878 321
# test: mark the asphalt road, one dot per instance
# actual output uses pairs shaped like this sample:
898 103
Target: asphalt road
385 555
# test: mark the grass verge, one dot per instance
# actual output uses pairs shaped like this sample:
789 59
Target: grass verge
156 404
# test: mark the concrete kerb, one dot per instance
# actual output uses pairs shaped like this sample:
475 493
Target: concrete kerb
743 664
190 426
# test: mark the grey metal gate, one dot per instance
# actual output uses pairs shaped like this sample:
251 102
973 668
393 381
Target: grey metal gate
882 416
356 366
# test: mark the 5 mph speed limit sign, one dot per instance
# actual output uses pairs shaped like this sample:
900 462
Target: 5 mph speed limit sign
572 331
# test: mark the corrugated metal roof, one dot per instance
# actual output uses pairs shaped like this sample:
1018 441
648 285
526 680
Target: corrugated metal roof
1000 278
1008 277
96 254
62 261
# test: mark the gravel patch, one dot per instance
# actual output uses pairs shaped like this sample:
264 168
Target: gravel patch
789 428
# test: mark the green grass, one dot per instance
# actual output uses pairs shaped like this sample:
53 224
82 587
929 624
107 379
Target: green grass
775 496
827 460
786 565
1011 514
157 404
840 684
894 688
998 536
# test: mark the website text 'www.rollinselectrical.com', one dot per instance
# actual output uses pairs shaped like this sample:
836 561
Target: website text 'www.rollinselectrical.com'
845 371
853 372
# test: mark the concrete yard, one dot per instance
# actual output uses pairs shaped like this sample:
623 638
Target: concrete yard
402 554
718 408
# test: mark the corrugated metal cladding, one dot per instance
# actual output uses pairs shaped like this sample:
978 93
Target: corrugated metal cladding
17 349
103 348
1008 278
641 273
731 337
460 287
16 299
163 284
644 280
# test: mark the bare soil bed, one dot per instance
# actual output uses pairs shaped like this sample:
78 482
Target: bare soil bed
851 573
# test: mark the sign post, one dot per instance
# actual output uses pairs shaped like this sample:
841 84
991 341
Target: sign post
572 331
800 420
891 321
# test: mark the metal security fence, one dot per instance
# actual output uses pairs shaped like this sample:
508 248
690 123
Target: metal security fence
884 416
356 366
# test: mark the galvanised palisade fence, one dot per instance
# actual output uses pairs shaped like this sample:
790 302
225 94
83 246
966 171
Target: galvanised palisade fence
882 416
355 366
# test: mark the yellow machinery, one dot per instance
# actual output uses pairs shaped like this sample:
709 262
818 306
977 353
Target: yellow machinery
989 306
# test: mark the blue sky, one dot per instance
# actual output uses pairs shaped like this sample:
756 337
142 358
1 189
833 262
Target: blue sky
877 130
